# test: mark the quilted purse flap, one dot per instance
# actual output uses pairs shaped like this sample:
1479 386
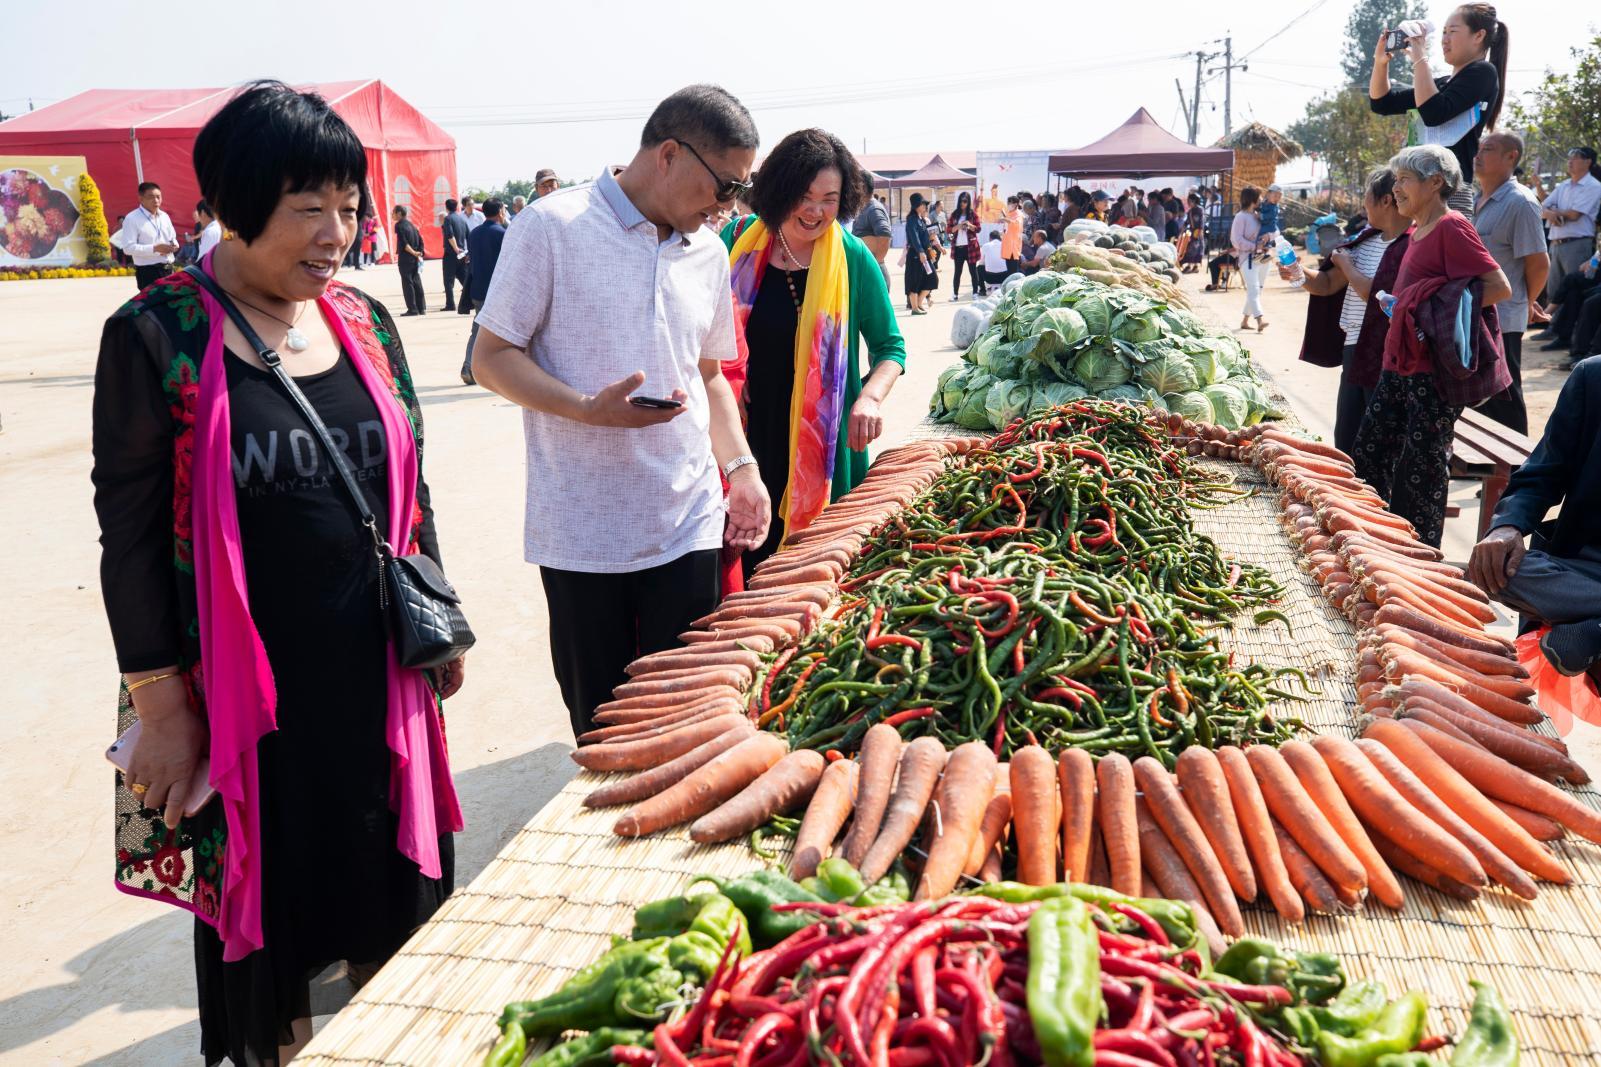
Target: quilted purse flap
423 572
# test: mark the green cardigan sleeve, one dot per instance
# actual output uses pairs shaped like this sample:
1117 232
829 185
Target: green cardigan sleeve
872 314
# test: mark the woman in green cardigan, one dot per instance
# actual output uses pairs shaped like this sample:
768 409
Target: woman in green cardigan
805 292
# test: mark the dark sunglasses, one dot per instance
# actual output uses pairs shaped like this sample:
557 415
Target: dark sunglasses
727 188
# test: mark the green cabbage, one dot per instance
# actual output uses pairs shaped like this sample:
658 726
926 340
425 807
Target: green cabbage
1170 372
1128 393
1058 330
1192 405
978 353
1136 328
1022 321
953 384
1155 400
1100 370
970 413
1096 312
1057 393
1229 406
1014 401
1039 285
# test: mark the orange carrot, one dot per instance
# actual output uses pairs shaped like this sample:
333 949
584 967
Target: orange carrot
786 784
1206 792
1162 862
1445 696
1412 619
647 666
1318 892
705 788
920 766
1497 864
959 809
664 701
880 753
1449 671
1173 816
1076 775
997 816
1464 798
825 815
1423 644
1115 816
648 783
991 871
1403 665
1256 828
1495 777
1388 812
1518 748
648 752
1411 866
1034 819
1537 826
1098 873
655 727
1290 805
1313 772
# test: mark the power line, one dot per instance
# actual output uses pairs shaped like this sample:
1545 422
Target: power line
1315 5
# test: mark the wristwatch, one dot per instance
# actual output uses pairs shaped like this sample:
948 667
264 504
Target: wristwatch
737 462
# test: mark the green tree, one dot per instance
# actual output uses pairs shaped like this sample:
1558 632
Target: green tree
1563 111
1368 19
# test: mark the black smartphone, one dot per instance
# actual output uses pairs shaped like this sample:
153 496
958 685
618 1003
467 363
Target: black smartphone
1395 41
654 402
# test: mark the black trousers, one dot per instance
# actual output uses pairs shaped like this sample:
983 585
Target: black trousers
1215 268
456 270
1587 331
143 276
1506 407
1403 450
1570 299
1349 404
599 623
958 261
411 284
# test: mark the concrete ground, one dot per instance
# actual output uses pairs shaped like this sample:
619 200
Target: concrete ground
91 976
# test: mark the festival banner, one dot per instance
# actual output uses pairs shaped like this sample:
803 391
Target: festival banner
40 211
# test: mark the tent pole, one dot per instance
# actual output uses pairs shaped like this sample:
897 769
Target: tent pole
138 163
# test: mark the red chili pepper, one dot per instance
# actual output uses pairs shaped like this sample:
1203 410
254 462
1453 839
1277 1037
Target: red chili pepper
1155 709
833 755
1057 692
854 583
1012 609
1150 927
1083 608
923 546
893 639
667 1049
1181 696
1022 512
778 665
1039 467
923 980
1108 536
1431 1043
1142 629
1000 731
909 715
878 618
759 1031
632 1054
1134 1042
1093 456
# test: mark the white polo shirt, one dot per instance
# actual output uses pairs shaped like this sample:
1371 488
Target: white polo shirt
586 286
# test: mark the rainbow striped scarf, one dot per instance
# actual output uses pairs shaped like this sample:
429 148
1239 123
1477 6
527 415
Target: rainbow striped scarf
822 352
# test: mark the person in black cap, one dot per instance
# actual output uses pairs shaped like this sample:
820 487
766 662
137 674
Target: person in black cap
1100 204
545 182
920 276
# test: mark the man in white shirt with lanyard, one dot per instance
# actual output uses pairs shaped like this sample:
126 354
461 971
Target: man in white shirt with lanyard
1571 212
148 237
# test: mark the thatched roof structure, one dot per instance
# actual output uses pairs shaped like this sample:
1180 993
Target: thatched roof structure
1258 139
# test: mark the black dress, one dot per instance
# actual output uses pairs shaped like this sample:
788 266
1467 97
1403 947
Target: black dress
769 385
334 885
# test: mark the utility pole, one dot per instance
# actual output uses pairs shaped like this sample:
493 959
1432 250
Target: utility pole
1195 101
1228 68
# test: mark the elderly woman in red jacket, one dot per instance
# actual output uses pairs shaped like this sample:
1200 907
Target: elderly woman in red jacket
1404 446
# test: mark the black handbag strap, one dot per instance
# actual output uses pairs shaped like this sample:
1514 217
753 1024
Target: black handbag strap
273 362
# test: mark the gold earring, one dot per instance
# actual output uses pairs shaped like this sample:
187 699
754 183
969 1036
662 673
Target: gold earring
227 235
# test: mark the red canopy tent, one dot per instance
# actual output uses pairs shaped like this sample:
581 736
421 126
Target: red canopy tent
1140 148
132 135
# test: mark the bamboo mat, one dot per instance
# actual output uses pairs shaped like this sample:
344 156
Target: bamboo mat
548 904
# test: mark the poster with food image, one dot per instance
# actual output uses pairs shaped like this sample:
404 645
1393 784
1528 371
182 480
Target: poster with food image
40 211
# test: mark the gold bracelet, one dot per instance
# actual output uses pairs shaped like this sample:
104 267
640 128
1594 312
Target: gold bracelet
150 680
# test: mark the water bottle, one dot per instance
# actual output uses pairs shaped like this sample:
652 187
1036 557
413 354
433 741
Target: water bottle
1289 265
1386 302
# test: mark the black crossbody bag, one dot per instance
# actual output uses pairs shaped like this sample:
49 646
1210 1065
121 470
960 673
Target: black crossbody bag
421 609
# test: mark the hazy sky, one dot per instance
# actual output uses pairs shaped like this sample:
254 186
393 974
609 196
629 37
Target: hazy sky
929 76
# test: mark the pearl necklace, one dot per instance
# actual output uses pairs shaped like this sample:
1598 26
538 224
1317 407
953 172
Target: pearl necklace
794 294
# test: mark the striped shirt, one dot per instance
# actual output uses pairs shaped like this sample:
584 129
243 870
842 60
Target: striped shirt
1365 258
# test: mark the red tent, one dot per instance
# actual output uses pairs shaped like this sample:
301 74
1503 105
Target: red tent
132 135
1140 148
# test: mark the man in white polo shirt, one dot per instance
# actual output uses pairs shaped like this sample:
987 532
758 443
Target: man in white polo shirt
608 321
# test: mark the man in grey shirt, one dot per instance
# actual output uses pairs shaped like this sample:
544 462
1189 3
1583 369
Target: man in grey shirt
1507 217
454 262
608 320
872 226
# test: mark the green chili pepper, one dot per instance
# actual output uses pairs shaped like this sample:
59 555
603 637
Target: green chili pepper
648 997
1398 1028
510 1049
1176 918
893 888
843 881
696 953
588 1000
1353 1011
1489 1040
1312 976
668 917
1064 981
593 1049
755 893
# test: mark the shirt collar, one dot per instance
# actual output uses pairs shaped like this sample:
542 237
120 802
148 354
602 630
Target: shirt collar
627 214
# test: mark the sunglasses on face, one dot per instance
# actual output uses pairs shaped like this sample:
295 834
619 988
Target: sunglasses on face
727 188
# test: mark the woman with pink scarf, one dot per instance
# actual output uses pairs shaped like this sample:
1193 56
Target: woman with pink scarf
242 592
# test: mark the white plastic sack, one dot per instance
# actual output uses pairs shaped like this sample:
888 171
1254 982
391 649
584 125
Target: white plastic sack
1145 235
966 326
1089 226
1166 251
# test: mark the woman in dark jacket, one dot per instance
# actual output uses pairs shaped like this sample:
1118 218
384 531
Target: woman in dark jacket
962 229
1404 446
921 278
240 584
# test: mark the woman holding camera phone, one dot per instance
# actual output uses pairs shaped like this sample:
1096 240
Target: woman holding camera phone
1458 107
